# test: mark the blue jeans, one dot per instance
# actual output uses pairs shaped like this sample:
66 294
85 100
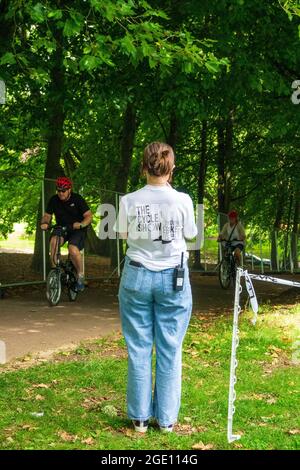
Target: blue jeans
153 313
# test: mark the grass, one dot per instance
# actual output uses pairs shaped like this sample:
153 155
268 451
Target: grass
17 243
81 393
20 243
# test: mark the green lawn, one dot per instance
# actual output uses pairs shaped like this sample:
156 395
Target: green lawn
17 243
22 244
82 392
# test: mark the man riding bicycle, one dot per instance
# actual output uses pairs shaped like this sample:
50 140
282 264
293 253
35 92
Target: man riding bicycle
234 232
71 211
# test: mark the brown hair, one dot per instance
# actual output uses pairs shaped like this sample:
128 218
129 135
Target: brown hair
158 159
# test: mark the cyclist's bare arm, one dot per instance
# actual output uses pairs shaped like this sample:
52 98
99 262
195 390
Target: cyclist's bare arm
87 219
46 220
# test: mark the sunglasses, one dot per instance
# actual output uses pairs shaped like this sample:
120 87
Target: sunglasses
61 190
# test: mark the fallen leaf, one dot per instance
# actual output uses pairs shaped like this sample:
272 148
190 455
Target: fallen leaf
130 432
89 441
188 429
40 386
293 432
39 397
26 358
92 403
201 446
237 445
65 436
29 427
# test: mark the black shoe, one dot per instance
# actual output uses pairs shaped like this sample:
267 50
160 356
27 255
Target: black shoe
140 426
166 429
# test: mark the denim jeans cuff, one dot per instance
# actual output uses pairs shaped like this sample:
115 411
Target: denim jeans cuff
139 419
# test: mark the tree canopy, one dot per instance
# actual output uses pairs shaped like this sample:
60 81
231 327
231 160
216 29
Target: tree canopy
90 83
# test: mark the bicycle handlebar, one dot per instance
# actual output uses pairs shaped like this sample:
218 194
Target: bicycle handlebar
63 228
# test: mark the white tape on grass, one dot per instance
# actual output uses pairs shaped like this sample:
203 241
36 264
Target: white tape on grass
235 333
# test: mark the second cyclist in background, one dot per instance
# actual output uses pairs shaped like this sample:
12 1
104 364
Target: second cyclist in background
234 232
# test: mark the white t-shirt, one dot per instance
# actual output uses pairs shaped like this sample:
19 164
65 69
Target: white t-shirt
236 233
157 220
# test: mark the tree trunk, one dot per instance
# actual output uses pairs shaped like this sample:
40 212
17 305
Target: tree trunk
7 26
276 227
224 156
201 182
228 159
54 139
94 246
221 168
287 246
126 152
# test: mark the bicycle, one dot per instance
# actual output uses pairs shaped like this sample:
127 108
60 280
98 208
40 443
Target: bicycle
62 275
227 266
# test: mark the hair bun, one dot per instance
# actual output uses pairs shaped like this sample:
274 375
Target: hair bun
158 159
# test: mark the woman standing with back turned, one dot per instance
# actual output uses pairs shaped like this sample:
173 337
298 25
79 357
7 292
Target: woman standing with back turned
155 293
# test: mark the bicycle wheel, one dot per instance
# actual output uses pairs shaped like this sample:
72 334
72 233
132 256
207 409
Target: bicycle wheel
224 274
72 287
71 282
53 291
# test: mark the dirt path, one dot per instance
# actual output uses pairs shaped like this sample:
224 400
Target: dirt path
28 325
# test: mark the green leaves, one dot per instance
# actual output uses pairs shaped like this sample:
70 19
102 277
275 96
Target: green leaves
38 12
292 7
89 62
8 58
55 14
74 24
212 67
127 44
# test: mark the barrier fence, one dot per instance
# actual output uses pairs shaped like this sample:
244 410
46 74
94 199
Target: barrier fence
99 253
96 258
235 333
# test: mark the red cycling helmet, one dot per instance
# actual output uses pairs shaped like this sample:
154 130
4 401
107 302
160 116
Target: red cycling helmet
233 214
64 182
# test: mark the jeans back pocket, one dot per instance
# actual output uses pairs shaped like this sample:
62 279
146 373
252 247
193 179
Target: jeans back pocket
132 278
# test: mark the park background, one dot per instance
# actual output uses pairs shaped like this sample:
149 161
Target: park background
88 85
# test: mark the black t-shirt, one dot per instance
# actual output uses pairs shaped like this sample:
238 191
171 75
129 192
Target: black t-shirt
67 212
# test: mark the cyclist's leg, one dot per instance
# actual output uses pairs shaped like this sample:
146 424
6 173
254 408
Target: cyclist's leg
76 243
237 255
54 247
76 258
